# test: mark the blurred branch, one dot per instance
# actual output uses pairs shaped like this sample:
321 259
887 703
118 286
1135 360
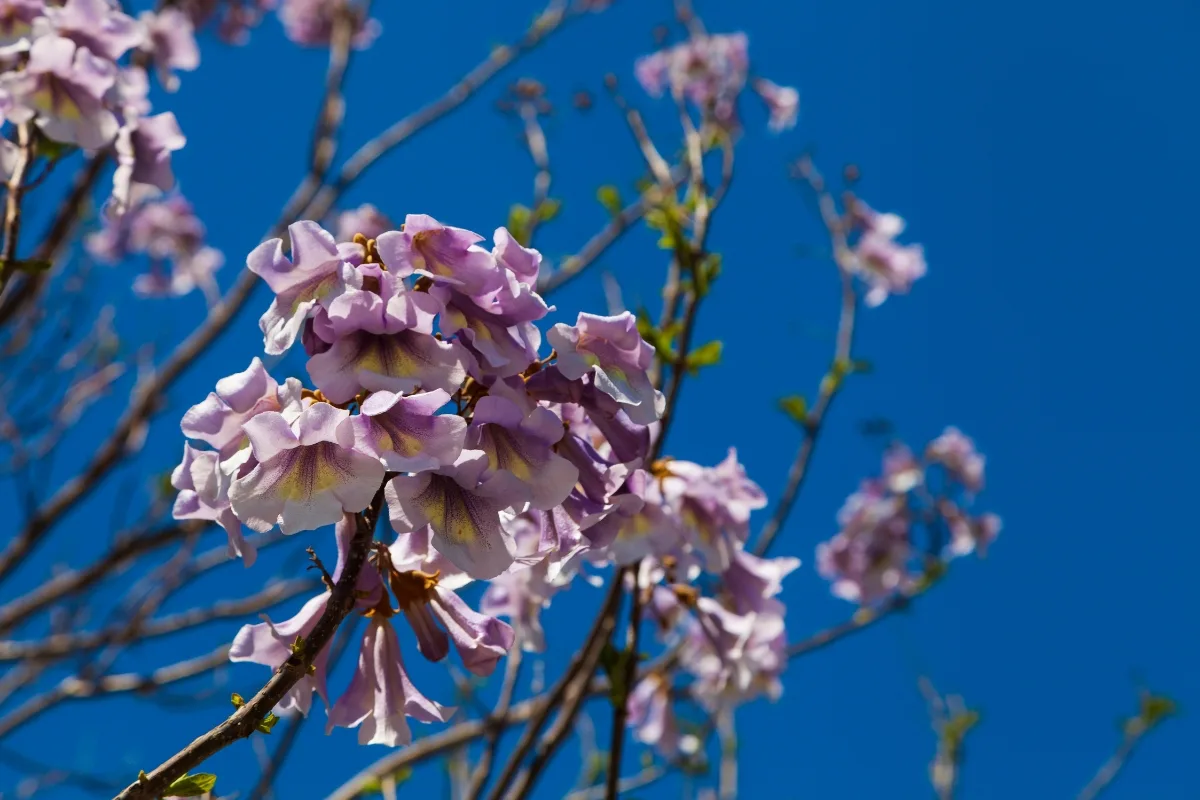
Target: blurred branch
76 688
66 644
12 204
583 663
248 716
832 383
119 556
1152 711
499 722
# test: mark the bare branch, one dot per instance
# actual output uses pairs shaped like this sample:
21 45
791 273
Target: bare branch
832 382
76 688
246 719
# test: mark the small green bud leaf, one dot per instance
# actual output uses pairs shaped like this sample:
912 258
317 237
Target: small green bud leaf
549 209
796 407
31 265
193 785
519 218
269 722
237 700
610 197
706 355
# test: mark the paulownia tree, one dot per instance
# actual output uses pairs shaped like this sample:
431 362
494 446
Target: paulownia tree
461 461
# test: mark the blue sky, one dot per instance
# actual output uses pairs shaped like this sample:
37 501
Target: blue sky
1044 155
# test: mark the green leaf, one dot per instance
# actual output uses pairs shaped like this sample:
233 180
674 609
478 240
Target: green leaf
706 272
1156 708
519 218
31 265
375 784
269 722
796 407
706 355
193 785
52 150
610 197
615 663
548 209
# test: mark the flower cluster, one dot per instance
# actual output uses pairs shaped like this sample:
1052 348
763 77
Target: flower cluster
68 69
711 70
165 229
886 266
873 555
305 22
495 464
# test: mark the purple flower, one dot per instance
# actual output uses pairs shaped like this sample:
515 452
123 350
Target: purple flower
144 146
16 24
868 559
366 219
415 552
901 471
480 639
518 442
204 494
448 255
547 543
308 471
380 695
708 70
608 427
62 88
171 41
957 453
310 23
634 525
750 580
160 227
270 644
713 505
522 262
239 397
187 272
399 362
599 476
96 25
735 657
312 275
407 434
496 328
970 534
887 267
617 357
462 509
652 716
373 300
783 103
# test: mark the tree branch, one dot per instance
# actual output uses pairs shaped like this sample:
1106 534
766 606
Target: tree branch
246 719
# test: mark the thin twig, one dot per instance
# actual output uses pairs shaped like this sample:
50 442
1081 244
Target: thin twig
727 776
119 556
76 688
12 204
65 644
573 698
246 719
499 718
832 383
560 690
262 788
621 709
